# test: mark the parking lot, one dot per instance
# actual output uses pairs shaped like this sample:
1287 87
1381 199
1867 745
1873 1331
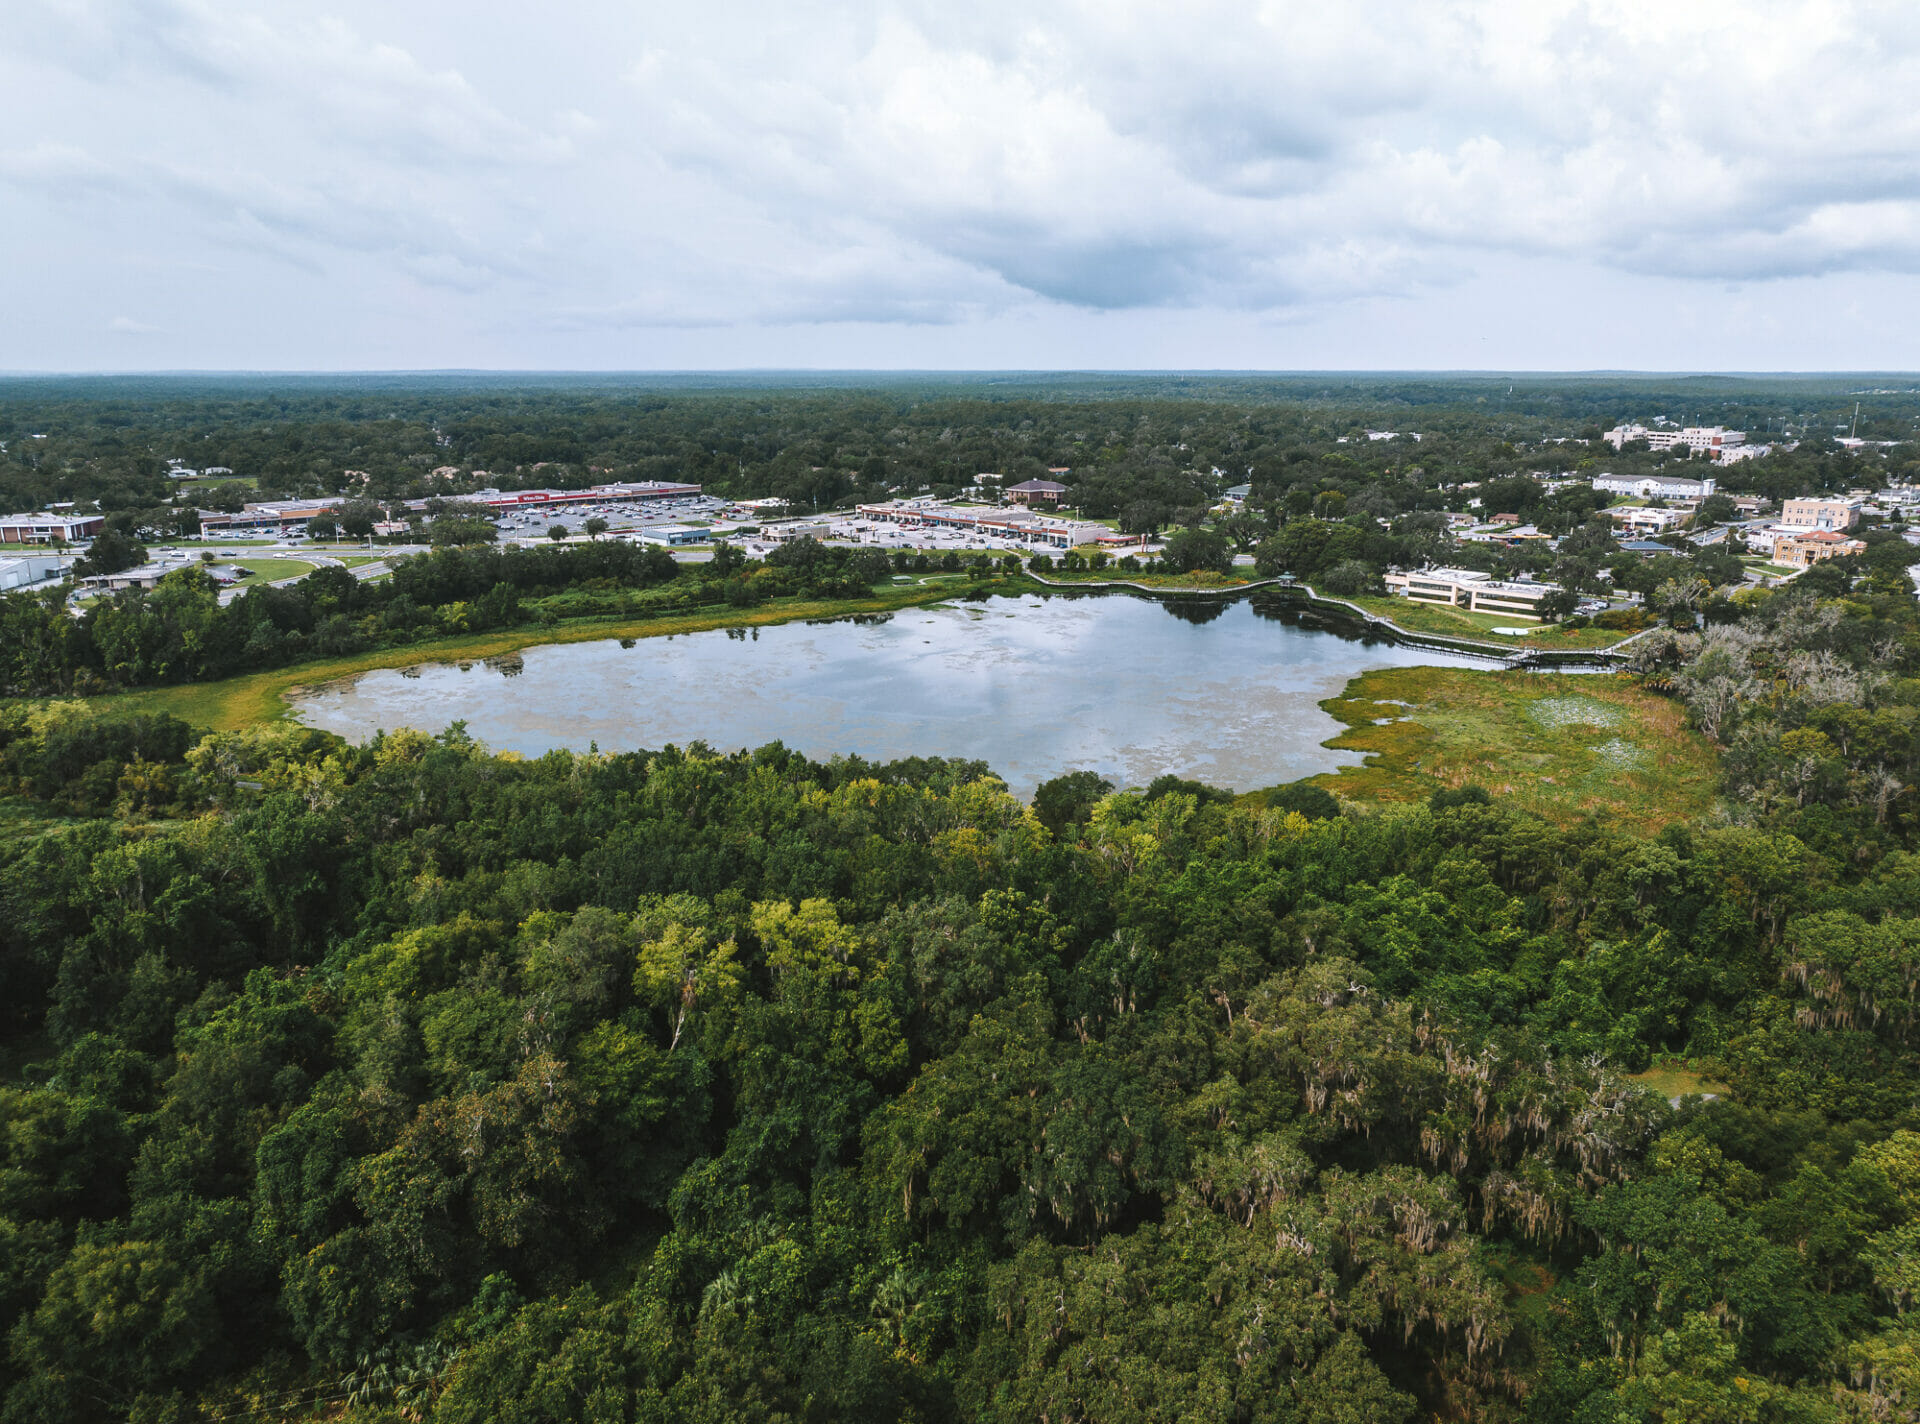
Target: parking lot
882 534
622 516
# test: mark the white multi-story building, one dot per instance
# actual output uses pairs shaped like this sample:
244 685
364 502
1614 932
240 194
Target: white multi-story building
1470 589
1710 440
1653 486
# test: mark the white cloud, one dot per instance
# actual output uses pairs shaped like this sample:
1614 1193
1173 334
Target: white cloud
1269 155
579 168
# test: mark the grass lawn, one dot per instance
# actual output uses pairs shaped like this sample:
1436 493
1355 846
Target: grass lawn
21 819
1563 745
1417 617
268 570
354 561
261 697
1676 1080
1204 580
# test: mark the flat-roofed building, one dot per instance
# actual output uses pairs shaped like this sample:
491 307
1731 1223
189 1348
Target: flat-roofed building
1020 525
640 491
1819 514
1472 590
50 528
1653 486
786 533
280 516
1640 519
28 569
674 535
140 576
1709 440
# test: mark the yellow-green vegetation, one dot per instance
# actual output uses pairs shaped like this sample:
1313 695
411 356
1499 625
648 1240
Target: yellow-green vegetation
21 820
1202 579
237 702
1417 617
1677 1079
1565 746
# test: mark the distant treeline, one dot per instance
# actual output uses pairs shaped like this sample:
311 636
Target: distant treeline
1144 449
179 632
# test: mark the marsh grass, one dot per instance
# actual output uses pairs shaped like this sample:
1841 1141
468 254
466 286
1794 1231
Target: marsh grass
1677 1080
1563 746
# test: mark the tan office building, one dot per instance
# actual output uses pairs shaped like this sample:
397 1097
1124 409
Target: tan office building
1819 514
1797 551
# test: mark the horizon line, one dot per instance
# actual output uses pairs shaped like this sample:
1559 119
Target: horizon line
1490 372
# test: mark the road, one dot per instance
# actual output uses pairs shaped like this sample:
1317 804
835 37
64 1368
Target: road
362 572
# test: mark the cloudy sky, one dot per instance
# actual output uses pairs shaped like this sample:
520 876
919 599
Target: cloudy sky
320 184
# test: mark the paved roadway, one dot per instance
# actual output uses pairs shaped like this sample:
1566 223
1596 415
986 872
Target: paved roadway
318 560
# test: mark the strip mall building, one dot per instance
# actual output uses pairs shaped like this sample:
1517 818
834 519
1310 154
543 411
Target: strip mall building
644 490
1020 524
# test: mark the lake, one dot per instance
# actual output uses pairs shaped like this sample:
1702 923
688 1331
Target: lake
1224 692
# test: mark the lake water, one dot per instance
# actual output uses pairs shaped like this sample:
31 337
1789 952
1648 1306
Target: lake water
1226 693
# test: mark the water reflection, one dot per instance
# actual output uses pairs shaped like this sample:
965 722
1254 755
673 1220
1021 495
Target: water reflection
1196 611
1223 692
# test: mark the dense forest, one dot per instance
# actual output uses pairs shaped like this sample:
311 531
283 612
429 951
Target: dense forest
1143 449
408 1081
688 1086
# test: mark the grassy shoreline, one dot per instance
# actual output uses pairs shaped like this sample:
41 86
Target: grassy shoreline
237 702
1563 746
1420 728
1203 582
1402 615
1415 617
